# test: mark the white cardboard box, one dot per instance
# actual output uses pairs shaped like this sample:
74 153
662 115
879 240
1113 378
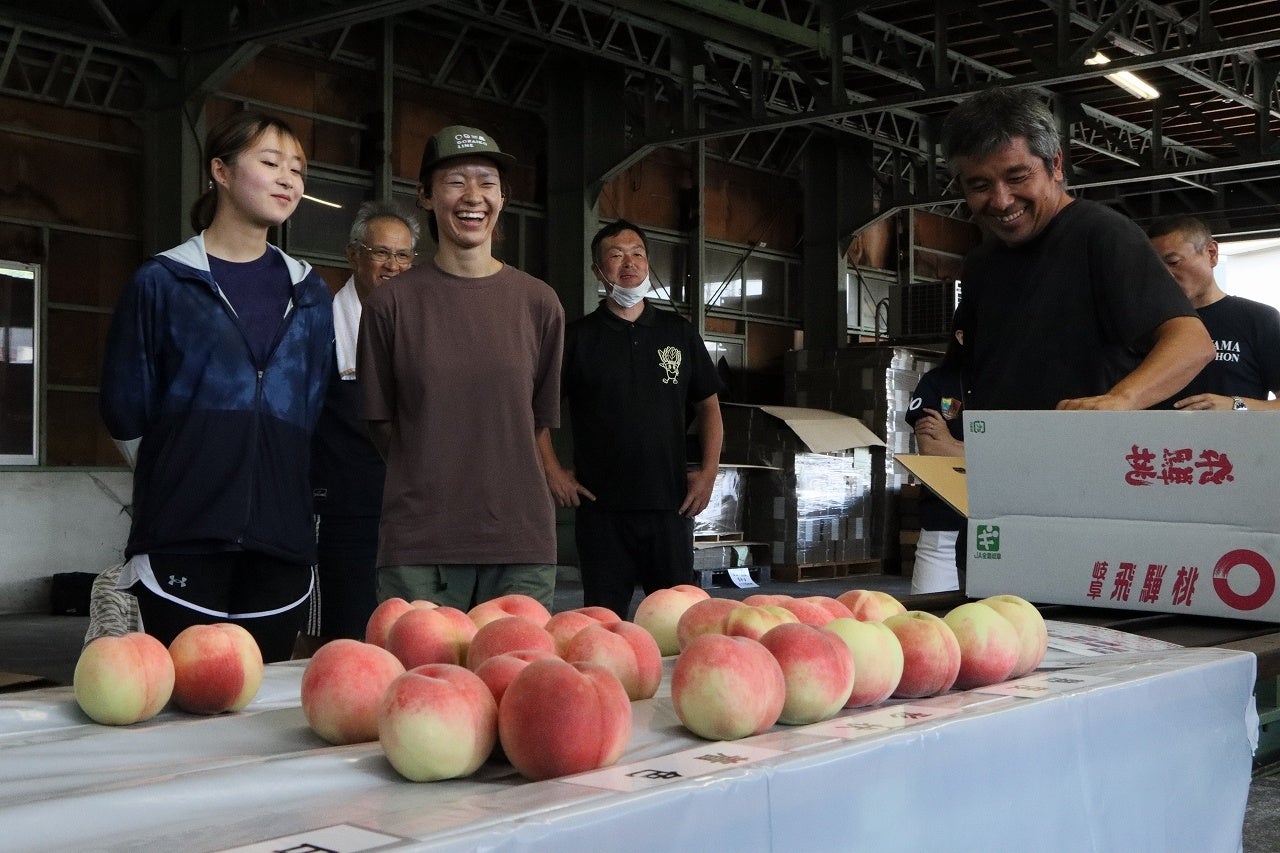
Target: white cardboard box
1174 512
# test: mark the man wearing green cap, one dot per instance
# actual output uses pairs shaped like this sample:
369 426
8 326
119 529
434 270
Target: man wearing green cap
459 359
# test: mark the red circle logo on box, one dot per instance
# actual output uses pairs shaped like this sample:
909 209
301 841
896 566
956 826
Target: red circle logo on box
1257 562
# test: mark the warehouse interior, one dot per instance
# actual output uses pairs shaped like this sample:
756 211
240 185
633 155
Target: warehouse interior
782 155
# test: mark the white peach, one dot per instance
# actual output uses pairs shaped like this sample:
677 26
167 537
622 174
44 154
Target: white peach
123 680
216 668
817 668
989 645
507 634
659 613
930 654
437 721
342 689
435 635
1033 635
626 650
726 688
870 605
386 614
558 718
703 617
755 620
877 659
512 604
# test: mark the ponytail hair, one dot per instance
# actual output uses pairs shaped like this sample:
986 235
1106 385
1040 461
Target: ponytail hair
225 142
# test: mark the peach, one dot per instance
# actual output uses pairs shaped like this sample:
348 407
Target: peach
817 668
726 688
870 605
564 625
659 613
703 617
1033 636
877 659
431 635
558 718
507 634
385 615
760 599
342 688
122 680
498 671
834 607
989 644
626 650
811 612
930 654
754 620
216 668
804 609
437 721
600 614
512 604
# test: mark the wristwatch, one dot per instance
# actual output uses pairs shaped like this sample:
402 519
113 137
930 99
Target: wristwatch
1238 404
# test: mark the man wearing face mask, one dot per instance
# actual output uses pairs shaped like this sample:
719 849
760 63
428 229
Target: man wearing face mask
633 376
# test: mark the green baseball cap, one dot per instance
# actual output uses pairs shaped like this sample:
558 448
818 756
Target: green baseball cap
459 141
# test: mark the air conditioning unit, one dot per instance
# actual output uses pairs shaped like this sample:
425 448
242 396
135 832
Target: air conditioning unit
922 310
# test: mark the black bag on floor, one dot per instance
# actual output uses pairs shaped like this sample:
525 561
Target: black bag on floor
69 593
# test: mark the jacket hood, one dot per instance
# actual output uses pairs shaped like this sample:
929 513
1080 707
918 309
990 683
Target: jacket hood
192 254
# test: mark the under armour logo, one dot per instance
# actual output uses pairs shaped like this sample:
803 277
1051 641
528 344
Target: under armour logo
176 581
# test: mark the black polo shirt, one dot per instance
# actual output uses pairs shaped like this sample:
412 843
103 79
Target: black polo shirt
630 387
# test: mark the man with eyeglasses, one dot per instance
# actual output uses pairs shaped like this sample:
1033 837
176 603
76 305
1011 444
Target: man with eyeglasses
347 472
460 367
1065 305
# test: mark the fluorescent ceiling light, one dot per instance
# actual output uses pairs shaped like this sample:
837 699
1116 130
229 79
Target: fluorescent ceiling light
1130 82
322 201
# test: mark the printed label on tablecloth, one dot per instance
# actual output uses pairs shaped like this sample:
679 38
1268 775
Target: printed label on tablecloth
698 761
343 838
880 721
1048 684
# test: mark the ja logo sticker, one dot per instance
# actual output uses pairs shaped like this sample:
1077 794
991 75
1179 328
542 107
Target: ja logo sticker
987 539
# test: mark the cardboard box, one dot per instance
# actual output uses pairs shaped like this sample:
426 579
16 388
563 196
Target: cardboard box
812 503
1172 512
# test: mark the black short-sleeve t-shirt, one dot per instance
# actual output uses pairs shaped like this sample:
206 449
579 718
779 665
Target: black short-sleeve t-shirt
1067 314
630 387
1246 335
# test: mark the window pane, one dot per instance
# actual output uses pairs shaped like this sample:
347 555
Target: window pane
765 281
19 345
716 292
319 230
667 270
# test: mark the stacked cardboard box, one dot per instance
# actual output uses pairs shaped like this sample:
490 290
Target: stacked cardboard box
811 507
874 384
722 519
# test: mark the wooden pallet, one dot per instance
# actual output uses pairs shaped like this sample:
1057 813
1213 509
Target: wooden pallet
800 572
729 538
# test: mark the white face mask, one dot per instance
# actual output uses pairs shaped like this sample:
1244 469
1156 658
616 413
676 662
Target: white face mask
625 297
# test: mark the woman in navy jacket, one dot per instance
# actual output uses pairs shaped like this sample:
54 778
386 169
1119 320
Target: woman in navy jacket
215 370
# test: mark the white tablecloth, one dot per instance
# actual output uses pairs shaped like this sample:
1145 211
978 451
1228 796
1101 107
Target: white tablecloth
1131 753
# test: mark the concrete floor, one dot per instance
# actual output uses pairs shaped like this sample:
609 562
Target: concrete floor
47 646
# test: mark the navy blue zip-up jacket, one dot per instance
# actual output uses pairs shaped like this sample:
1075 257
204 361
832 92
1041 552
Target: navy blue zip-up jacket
225 442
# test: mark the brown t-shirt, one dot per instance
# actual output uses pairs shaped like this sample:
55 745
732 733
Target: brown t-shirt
466 370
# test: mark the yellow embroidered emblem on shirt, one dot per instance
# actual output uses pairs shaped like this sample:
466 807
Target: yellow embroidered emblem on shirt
669 358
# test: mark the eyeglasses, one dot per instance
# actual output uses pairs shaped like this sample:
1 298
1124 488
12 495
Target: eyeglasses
382 255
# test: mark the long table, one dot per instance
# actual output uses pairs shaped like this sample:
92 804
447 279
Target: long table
1130 752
